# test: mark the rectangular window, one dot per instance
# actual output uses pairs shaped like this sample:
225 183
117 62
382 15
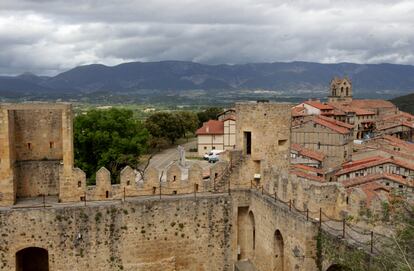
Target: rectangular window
247 143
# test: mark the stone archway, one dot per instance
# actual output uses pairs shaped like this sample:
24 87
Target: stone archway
278 250
32 259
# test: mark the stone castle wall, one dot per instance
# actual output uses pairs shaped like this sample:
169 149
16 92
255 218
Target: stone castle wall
210 232
168 234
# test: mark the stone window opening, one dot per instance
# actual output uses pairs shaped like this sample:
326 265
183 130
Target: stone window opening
174 178
248 143
347 200
107 194
154 190
282 142
175 192
215 175
319 145
29 146
79 184
51 145
128 182
196 187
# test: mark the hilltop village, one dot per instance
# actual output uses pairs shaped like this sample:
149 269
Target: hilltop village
296 189
365 145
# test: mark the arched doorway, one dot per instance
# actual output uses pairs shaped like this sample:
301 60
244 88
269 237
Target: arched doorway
278 250
337 267
32 259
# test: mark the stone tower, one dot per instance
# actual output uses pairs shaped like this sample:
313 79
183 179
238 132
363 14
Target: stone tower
263 135
36 152
340 90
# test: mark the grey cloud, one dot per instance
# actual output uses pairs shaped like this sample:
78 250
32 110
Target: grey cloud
46 37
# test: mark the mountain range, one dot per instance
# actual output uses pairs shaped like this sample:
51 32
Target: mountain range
294 79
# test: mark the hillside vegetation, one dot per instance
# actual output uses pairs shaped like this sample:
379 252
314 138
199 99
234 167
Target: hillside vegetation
405 103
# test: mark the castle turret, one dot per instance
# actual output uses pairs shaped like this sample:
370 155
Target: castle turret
340 90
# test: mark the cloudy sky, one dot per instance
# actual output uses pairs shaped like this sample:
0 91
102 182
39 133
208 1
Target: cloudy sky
50 36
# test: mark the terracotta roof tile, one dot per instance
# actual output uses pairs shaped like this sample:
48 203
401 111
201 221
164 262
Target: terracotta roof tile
376 163
374 177
307 152
372 104
337 122
211 127
331 125
319 105
307 168
307 176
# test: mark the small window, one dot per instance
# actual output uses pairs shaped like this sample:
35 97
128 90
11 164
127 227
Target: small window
82 198
282 142
79 184
400 186
51 145
314 125
214 147
29 146
387 184
196 187
128 182
174 178
347 200
175 192
154 190
107 194
205 147
319 145
215 175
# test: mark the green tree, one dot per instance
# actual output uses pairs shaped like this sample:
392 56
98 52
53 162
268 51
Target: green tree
208 114
165 125
110 138
189 122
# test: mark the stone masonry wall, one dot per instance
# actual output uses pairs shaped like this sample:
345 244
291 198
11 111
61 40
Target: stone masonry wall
35 178
151 234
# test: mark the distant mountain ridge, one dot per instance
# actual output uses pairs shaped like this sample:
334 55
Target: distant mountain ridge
291 78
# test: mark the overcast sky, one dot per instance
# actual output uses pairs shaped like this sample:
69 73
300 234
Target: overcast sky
47 37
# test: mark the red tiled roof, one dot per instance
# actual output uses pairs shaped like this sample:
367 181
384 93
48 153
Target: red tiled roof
361 161
319 105
399 115
331 125
375 163
307 168
298 111
337 122
211 127
307 176
307 152
374 177
402 123
398 142
371 104
348 108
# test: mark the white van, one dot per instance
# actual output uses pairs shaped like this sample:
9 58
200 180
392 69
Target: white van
211 153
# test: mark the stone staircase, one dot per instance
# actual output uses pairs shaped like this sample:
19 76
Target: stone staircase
222 182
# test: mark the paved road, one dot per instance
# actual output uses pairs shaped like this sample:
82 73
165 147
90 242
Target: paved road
165 158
